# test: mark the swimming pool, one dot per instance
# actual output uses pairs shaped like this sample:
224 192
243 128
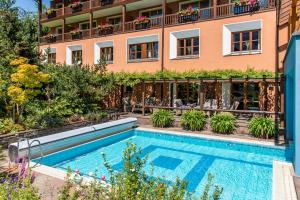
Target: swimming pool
243 170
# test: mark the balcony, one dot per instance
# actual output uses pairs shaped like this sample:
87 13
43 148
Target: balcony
220 11
48 39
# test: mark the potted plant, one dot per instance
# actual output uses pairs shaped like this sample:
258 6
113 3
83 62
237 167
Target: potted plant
244 6
142 22
51 38
51 13
76 34
105 29
106 2
188 15
76 6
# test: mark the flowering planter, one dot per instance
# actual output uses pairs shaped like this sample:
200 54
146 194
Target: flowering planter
76 36
76 8
51 15
188 18
105 31
240 9
51 39
106 2
140 26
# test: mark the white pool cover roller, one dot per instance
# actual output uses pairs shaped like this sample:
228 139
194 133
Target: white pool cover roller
63 140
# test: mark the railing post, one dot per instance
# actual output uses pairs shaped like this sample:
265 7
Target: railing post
215 8
123 17
265 93
201 95
63 29
91 23
245 101
63 7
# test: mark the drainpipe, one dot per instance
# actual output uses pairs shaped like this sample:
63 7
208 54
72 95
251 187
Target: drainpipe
278 5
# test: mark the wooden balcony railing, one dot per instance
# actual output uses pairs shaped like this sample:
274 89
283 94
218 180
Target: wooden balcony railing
104 3
220 11
85 6
56 13
83 34
51 39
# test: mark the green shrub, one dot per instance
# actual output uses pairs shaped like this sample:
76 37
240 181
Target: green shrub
8 126
193 120
162 118
262 127
223 123
95 116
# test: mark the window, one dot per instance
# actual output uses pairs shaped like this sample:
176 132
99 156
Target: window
246 41
152 13
188 46
52 58
143 51
194 5
58 30
77 57
114 21
84 26
107 53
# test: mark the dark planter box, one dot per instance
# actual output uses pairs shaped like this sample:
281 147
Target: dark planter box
245 9
142 26
52 15
106 2
51 39
188 18
77 36
77 9
105 31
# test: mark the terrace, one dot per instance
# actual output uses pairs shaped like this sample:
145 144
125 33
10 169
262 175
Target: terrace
134 17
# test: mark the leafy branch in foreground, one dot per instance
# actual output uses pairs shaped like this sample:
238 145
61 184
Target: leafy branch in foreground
133 183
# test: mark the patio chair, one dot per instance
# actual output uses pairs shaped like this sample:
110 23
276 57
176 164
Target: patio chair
235 105
126 104
150 101
178 104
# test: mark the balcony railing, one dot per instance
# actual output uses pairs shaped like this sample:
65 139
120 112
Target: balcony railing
104 3
56 13
84 6
51 39
220 11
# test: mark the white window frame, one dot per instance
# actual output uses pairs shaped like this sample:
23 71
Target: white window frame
69 52
174 36
228 29
139 40
51 50
97 50
56 30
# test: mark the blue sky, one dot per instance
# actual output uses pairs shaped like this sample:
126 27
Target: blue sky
29 4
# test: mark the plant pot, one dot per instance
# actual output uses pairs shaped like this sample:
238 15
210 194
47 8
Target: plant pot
188 18
52 15
105 31
106 2
77 8
142 26
245 8
76 36
51 39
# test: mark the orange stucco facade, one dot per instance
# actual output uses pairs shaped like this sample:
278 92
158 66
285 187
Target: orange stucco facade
211 55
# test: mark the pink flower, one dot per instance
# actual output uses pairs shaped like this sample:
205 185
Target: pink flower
77 171
103 178
252 2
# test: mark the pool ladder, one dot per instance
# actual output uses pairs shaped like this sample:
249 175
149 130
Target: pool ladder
29 144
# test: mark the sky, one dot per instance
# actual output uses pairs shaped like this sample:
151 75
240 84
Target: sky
29 5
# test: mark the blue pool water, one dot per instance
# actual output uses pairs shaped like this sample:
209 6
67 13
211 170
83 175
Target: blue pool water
244 171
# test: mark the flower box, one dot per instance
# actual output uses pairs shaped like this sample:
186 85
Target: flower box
105 30
106 2
141 22
188 15
51 13
51 38
76 35
240 9
76 7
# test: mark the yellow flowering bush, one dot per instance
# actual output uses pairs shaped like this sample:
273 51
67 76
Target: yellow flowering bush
16 94
18 61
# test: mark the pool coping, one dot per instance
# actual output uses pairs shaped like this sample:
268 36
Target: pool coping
217 138
283 186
